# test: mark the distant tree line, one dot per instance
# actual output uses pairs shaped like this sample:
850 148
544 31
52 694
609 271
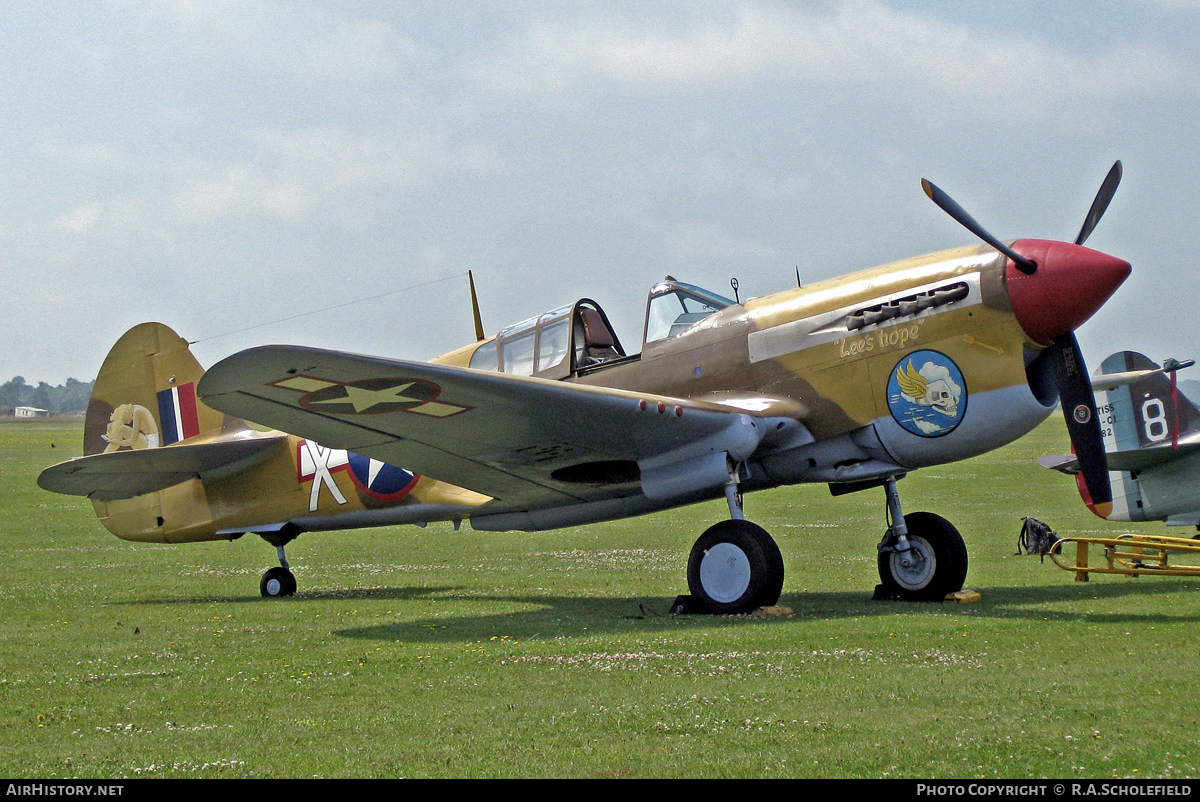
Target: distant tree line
70 397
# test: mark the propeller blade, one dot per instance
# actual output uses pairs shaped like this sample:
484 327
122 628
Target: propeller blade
1100 204
1083 424
950 207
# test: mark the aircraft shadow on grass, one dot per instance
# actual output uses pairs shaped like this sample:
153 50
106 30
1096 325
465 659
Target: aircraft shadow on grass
557 616
566 616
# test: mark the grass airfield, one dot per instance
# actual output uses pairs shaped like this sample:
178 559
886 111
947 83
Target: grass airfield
432 653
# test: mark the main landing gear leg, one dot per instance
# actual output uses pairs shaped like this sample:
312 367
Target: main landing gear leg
922 556
735 566
279 581
899 530
733 493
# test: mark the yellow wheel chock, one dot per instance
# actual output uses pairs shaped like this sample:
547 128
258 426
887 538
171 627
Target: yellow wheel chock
1131 555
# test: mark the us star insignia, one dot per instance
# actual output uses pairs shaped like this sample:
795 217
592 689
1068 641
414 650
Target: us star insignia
371 396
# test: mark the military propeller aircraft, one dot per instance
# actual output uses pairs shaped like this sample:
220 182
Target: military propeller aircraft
852 381
1151 435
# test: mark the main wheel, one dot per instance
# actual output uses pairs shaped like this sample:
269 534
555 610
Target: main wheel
278 581
935 565
735 567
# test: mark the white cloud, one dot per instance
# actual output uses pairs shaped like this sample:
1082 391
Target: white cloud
82 219
293 175
240 192
335 158
860 45
266 39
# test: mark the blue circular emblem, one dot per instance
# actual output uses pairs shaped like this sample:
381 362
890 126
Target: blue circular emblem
379 479
927 394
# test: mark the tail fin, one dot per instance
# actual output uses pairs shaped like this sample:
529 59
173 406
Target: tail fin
1145 412
1146 422
145 395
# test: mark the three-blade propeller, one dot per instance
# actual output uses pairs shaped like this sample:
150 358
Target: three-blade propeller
1070 372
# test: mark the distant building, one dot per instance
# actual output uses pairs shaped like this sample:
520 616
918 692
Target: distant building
30 412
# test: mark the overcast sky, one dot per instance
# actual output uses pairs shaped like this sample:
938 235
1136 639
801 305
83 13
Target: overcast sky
216 166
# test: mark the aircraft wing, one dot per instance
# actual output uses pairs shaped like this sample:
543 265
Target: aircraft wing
125 474
528 443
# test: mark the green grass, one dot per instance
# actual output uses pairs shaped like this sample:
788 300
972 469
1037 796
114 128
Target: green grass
432 653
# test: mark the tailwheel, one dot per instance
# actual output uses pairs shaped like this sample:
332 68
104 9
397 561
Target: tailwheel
734 567
278 581
934 565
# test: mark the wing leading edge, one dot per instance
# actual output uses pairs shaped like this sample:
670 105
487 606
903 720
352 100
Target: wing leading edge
528 443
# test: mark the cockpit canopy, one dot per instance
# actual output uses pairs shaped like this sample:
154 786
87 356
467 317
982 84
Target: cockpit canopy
674 307
578 338
552 345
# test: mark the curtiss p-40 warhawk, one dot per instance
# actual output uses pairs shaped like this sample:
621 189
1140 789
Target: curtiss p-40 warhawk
852 381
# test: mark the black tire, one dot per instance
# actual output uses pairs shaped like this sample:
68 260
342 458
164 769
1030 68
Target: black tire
935 565
277 582
734 567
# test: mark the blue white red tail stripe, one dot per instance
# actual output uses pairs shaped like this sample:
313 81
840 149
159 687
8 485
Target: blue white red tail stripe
177 413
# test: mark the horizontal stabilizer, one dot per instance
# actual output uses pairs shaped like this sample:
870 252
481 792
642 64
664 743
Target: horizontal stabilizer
1063 463
1110 381
125 474
1134 460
